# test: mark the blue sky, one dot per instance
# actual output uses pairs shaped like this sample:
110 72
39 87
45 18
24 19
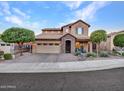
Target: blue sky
37 15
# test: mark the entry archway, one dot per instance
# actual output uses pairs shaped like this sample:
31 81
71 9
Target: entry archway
67 46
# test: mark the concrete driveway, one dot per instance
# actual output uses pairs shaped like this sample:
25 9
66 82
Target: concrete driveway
34 58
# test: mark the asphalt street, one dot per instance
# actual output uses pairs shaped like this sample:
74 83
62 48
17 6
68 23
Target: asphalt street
106 80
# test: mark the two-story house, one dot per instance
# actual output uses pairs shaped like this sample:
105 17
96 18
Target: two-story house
64 39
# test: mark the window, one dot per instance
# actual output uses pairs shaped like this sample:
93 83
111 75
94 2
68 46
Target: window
45 31
67 30
50 44
2 44
8 44
56 44
79 31
44 43
38 43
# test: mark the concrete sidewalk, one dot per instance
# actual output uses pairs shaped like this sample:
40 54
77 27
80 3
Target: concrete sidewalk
61 66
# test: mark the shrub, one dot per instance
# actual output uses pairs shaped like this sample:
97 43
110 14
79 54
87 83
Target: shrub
7 56
123 54
104 54
91 55
1 54
77 53
115 53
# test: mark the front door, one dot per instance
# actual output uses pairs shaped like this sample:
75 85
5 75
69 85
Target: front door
68 46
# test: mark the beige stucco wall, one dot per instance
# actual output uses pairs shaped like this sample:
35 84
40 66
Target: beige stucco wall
85 46
64 30
7 49
112 37
108 44
72 30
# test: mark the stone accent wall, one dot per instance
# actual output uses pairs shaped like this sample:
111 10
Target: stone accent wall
82 25
72 30
63 43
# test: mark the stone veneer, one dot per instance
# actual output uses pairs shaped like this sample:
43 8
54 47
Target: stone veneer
63 43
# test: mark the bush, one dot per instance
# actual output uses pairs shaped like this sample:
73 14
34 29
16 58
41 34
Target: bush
104 54
77 53
123 54
7 56
91 55
115 53
1 54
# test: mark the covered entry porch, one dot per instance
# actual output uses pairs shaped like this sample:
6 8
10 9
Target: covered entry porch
69 44
84 45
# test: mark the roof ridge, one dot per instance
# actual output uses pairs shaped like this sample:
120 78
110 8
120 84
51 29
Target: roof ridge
76 22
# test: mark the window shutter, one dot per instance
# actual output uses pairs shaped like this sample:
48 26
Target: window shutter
82 31
76 31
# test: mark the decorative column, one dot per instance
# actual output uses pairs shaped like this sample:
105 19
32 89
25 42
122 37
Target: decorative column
90 46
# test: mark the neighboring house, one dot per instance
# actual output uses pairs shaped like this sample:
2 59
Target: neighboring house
64 39
108 44
6 47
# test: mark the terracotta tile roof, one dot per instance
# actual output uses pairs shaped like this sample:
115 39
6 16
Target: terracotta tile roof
83 37
121 31
54 36
76 22
67 34
60 29
112 33
48 29
48 36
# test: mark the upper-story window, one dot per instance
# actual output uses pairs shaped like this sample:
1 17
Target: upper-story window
67 30
79 31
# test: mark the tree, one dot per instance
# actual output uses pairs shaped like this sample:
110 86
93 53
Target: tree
97 37
18 35
119 41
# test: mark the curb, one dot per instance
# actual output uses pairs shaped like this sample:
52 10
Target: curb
79 66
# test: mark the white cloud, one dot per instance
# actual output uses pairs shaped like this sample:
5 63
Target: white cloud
5 8
19 18
89 11
21 13
16 10
16 16
14 19
73 4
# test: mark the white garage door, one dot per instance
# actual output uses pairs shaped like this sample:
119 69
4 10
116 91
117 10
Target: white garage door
48 49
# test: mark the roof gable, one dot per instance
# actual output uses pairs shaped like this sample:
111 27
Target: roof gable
68 34
75 23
